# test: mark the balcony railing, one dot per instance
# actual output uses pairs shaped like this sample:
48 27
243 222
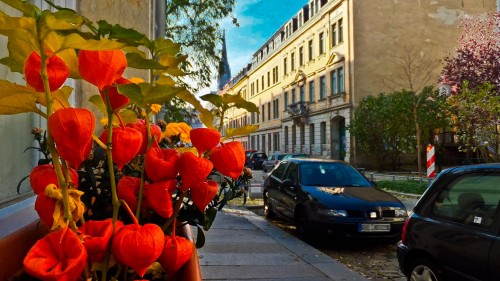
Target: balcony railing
299 108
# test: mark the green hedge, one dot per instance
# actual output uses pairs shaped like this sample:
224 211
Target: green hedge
405 186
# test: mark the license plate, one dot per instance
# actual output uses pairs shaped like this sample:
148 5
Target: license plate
374 227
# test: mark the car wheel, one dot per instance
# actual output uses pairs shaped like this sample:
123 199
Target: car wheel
270 214
303 226
424 270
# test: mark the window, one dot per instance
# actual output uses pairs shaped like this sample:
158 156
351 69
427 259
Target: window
334 34
463 202
284 66
321 43
276 108
263 112
311 133
294 135
341 34
337 81
268 79
262 82
276 141
322 87
269 111
322 131
301 56
310 45
302 93
257 85
292 61
302 134
293 96
285 100
311 91
252 89
252 118
258 117
286 135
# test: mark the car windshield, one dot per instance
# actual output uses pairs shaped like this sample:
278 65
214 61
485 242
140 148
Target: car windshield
280 156
331 174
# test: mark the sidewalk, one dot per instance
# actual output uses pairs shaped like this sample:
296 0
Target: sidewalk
240 245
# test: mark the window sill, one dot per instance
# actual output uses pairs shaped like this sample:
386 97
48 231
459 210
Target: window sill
20 230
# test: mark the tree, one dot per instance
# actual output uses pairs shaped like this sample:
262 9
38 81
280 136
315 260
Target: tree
196 26
477 57
477 112
417 72
384 125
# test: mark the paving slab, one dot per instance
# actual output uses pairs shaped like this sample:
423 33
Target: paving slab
243 246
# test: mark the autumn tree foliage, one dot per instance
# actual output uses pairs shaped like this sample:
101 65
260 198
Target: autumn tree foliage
477 57
473 74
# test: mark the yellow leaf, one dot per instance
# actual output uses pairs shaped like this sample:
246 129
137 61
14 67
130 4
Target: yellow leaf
16 99
243 131
60 98
76 206
75 41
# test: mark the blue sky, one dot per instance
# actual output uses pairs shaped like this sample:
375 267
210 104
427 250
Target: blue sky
259 20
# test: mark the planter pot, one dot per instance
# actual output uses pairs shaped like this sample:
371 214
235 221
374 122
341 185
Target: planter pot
14 248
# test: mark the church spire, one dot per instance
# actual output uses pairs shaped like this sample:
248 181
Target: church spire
224 71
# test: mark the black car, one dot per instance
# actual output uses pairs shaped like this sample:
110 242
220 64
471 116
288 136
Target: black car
331 197
453 232
255 160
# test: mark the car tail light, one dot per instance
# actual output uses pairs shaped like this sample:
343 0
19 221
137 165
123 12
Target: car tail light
403 231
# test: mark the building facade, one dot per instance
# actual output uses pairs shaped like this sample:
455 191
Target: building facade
309 76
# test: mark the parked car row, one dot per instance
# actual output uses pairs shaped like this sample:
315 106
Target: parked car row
453 232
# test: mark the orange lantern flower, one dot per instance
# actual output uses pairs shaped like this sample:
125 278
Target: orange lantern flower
59 256
45 206
128 190
140 125
101 68
57 72
159 198
117 100
96 236
204 139
126 143
193 169
43 175
176 252
138 246
229 159
162 164
204 193
72 130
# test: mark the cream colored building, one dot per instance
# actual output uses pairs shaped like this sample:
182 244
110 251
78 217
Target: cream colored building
310 75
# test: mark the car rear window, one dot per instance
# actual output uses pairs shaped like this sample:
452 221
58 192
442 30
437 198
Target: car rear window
471 199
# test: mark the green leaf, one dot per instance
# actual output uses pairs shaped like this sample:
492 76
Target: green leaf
76 41
23 6
210 215
200 238
242 131
206 117
163 46
17 99
120 33
135 60
145 94
214 99
99 103
61 20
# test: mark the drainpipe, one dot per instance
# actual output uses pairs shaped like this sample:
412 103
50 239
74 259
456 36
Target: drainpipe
351 87
159 32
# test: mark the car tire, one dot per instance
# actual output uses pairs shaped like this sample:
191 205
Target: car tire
424 270
268 212
303 226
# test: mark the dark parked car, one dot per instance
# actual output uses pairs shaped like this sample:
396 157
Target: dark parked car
255 160
247 156
453 232
331 197
272 161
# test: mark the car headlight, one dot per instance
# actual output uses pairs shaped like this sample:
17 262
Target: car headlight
400 213
332 213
